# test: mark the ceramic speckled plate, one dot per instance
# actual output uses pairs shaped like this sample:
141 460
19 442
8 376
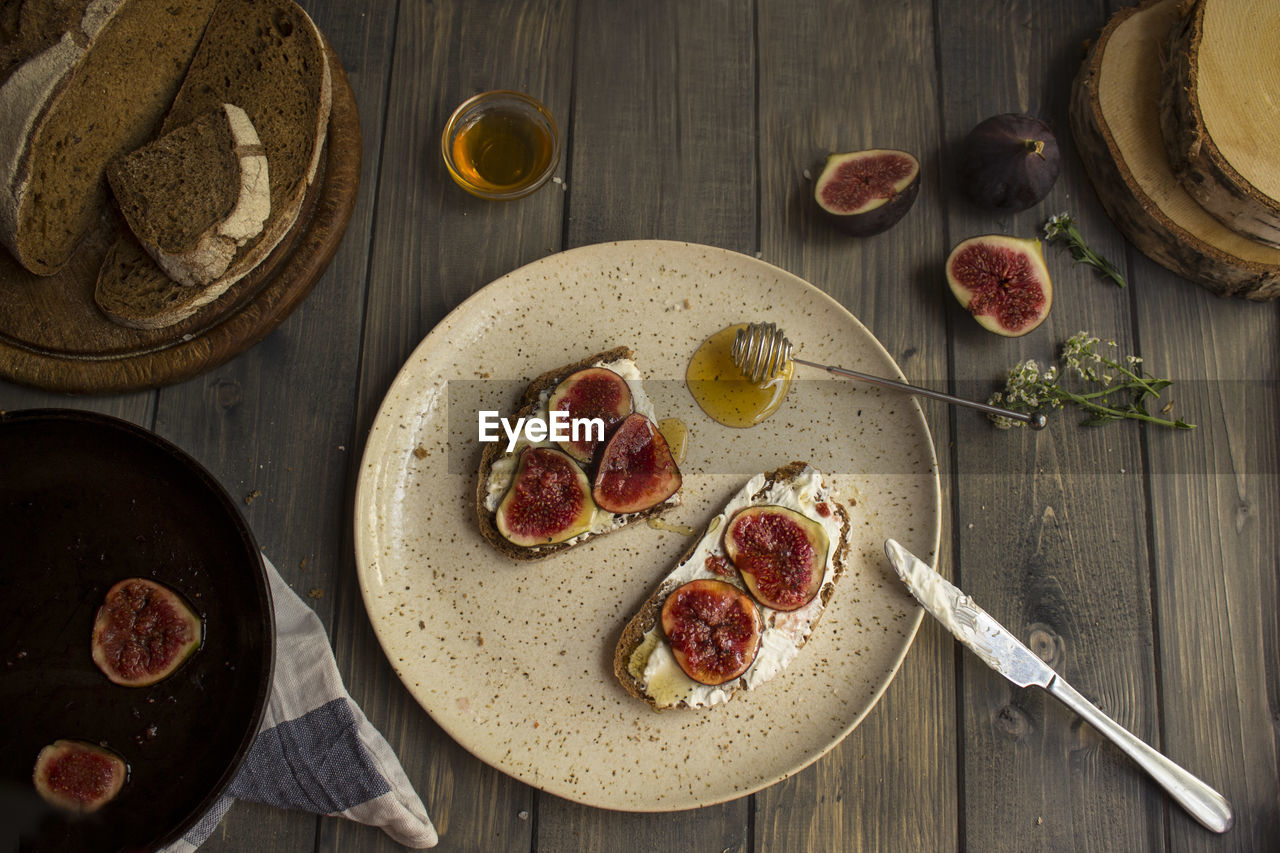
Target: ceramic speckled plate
514 659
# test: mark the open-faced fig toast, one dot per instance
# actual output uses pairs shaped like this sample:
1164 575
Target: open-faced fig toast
744 599
541 497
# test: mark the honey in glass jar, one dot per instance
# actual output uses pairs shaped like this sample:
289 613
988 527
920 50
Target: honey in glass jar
501 145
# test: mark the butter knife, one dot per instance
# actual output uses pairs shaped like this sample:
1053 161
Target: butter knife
1004 653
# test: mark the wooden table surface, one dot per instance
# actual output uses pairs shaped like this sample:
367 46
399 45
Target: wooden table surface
1141 563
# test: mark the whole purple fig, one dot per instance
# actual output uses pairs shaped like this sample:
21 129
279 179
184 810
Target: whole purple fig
1009 162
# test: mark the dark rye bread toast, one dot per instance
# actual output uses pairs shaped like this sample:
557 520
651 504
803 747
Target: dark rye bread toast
83 82
268 58
647 618
493 451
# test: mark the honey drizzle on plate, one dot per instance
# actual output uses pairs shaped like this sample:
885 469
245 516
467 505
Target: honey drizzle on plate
723 392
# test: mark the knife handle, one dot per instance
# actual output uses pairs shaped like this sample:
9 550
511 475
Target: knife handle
1202 802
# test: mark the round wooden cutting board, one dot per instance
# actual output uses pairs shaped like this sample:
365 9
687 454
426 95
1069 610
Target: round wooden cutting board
53 336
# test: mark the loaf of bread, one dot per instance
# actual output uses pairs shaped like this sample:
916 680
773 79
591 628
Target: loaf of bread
196 194
75 99
268 58
498 465
644 662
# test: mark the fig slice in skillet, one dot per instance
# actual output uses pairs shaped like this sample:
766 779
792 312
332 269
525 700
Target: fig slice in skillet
78 776
143 632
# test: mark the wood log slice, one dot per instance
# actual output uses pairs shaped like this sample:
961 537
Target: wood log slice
1220 112
1115 119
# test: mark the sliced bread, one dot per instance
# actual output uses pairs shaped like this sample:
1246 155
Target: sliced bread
66 110
267 57
644 662
196 194
498 465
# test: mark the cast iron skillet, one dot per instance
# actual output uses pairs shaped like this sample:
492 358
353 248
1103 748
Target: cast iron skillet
87 500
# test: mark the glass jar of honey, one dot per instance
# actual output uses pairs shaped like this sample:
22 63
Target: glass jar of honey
501 145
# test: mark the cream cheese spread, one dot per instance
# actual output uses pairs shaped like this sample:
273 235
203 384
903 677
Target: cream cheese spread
653 662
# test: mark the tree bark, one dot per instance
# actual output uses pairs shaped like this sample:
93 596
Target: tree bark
1116 123
1223 70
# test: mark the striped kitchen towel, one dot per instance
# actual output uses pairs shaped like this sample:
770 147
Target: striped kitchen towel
316 751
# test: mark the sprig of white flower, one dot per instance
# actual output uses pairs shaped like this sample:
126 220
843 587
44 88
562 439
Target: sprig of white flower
1063 226
1121 392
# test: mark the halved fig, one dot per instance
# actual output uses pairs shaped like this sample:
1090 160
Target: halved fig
594 392
78 776
143 632
1002 281
549 500
866 192
780 553
636 469
714 630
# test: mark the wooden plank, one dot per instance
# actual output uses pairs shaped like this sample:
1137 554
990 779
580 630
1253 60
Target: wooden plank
433 245
661 147
890 785
1215 499
662 144
1050 526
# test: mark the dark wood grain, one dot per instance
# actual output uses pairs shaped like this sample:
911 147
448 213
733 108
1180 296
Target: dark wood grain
862 795
1214 500
1050 525
433 245
1140 562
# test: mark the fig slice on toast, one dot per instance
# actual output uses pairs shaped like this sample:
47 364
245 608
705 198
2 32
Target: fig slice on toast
636 469
549 500
780 554
78 776
593 392
714 630
143 632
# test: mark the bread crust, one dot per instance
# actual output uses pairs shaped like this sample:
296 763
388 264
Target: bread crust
649 612
51 158
495 450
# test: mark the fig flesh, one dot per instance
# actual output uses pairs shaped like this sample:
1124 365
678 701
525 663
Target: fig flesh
780 554
1009 162
548 501
143 632
595 392
636 469
714 630
1002 281
866 192
78 776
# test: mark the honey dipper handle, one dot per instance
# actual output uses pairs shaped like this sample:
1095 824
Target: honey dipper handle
1034 420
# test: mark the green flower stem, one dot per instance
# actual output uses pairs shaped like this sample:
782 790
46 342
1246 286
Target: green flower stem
1133 414
1063 225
